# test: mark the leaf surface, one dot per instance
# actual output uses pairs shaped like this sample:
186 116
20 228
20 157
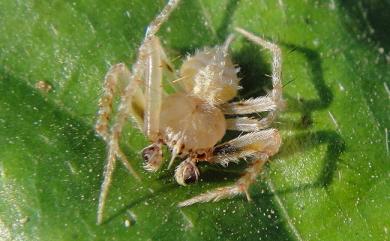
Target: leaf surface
330 180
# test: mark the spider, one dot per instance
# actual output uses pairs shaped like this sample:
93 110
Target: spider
193 120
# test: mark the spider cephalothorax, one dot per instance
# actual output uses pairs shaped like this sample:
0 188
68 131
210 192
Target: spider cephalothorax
193 120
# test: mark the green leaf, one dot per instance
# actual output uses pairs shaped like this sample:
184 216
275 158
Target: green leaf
330 180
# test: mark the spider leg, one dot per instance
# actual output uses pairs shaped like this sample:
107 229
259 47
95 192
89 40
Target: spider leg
105 101
276 64
125 106
246 124
156 62
114 80
241 186
271 103
260 104
117 74
265 141
257 145
153 90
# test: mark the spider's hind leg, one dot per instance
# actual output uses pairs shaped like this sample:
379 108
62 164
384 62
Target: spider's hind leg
259 146
276 64
135 79
241 186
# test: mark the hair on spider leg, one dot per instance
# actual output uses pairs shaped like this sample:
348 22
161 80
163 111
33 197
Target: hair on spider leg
178 57
288 82
292 50
178 79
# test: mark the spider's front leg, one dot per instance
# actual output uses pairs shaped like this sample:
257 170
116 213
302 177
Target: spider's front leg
143 106
116 76
140 68
259 146
156 62
115 79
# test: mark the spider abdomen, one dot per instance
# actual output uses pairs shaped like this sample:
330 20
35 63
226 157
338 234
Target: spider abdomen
191 121
211 75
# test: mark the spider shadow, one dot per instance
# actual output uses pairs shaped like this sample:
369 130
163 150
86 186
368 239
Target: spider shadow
199 34
132 203
368 17
256 82
310 139
307 106
254 71
303 142
223 29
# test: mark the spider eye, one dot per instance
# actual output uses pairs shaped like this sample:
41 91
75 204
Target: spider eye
152 156
186 173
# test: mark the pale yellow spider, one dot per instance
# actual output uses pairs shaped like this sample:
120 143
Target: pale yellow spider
193 120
